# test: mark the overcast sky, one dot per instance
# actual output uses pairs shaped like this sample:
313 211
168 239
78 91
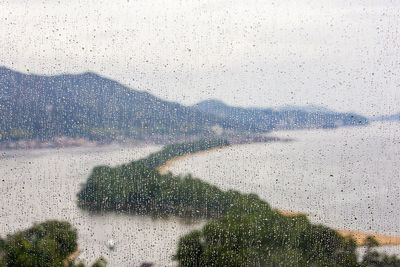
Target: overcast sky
343 55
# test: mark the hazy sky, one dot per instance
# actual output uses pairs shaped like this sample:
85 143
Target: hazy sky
341 54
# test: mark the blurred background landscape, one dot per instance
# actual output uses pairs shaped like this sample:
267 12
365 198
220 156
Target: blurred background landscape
199 133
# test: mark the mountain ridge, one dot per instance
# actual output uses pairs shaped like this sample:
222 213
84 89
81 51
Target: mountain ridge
393 117
88 105
271 119
73 104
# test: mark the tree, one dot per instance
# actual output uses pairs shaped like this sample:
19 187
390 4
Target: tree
265 238
373 258
45 244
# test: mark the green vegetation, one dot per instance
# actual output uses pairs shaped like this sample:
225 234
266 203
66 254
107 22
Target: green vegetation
90 106
372 258
138 187
265 238
169 152
259 119
100 262
46 244
96 108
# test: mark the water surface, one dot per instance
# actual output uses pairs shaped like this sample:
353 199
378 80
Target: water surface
347 178
41 184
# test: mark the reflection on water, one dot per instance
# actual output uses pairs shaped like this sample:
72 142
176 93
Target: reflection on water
37 185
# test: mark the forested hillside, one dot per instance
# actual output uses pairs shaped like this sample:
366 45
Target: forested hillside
97 108
88 105
258 119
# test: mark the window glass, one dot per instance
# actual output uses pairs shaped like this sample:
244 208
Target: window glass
199 133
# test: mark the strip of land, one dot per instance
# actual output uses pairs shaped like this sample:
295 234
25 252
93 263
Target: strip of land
359 237
164 168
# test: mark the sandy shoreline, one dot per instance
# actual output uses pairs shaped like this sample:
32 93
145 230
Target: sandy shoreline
359 237
164 168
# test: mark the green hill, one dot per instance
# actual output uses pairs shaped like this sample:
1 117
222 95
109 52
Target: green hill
97 108
259 119
88 105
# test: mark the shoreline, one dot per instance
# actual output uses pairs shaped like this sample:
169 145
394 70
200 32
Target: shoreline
358 236
163 169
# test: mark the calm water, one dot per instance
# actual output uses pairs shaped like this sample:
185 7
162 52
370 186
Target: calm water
345 178
348 178
42 184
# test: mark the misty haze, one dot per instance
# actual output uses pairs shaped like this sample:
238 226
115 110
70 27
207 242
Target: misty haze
199 133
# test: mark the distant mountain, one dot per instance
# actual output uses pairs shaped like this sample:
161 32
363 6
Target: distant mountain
258 119
91 106
394 117
308 108
88 105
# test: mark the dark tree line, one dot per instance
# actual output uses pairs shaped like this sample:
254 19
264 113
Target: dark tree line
138 187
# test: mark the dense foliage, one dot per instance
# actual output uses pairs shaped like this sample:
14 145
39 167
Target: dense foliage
51 243
46 244
135 188
373 258
265 238
138 187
